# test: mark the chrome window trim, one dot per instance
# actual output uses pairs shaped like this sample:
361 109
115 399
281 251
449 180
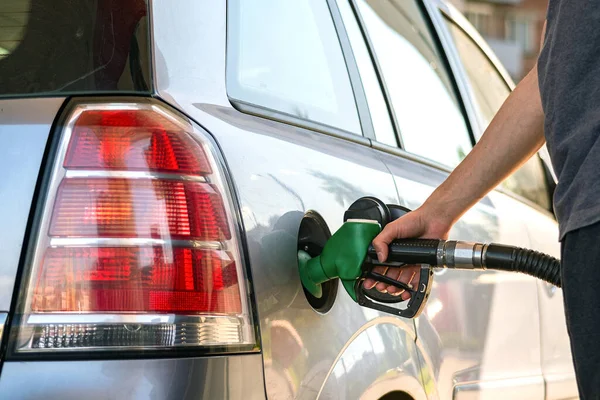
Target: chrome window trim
460 20
360 97
377 68
278 116
461 23
457 74
411 156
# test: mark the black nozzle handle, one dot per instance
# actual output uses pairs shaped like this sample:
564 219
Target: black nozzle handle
410 251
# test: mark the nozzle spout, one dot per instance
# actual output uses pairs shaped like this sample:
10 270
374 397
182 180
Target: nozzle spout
342 257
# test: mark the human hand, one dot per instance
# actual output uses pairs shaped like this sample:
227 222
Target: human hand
420 223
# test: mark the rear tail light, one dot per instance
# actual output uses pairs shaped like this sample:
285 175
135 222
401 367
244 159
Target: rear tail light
137 246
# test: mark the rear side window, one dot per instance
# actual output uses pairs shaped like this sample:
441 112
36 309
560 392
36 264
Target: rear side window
427 110
285 56
488 86
490 91
50 47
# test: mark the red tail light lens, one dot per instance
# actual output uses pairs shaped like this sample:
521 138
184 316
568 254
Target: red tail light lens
137 246
150 208
133 140
129 279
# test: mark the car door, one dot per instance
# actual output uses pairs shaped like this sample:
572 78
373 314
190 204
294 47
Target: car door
276 84
531 185
480 330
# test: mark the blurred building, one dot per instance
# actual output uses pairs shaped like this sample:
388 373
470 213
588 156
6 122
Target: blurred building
512 28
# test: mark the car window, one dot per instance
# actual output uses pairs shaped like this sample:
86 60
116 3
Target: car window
488 86
429 116
382 123
64 47
490 91
285 56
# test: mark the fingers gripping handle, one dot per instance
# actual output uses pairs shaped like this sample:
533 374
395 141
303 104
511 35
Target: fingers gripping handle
415 305
429 252
435 254
374 209
401 252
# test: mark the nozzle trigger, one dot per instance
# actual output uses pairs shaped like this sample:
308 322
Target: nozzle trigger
376 300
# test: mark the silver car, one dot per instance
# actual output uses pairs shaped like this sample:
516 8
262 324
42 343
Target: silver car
162 162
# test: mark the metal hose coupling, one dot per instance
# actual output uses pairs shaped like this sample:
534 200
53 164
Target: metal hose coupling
461 255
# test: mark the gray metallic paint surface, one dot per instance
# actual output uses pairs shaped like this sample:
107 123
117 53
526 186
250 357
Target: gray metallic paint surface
382 361
489 328
24 129
301 171
280 172
233 377
477 327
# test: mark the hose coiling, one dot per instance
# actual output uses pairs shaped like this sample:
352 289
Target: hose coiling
530 262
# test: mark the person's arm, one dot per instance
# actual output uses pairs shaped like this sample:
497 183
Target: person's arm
513 136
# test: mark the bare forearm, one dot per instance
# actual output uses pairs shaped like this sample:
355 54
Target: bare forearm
513 136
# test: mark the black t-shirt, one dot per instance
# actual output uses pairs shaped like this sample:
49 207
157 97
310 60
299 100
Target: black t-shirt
569 81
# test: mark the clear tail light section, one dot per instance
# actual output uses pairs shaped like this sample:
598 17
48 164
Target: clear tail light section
137 246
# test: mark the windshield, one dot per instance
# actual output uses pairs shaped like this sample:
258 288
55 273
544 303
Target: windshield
59 47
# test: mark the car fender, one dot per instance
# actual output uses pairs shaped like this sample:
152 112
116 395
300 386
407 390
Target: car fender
380 358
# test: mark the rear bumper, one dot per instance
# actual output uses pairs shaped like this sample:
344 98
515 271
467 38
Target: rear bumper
228 377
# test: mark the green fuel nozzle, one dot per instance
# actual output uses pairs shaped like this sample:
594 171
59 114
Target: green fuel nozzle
342 257
350 256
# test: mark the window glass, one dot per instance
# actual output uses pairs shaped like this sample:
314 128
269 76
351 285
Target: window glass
286 56
481 15
382 124
429 117
519 29
490 92
62 47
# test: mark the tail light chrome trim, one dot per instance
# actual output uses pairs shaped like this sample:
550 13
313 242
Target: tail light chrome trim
130 242
133 175
126 319
62 329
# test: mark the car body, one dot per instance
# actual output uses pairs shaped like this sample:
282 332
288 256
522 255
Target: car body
300 143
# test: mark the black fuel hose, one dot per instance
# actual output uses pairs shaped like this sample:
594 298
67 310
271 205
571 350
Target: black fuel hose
473 256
